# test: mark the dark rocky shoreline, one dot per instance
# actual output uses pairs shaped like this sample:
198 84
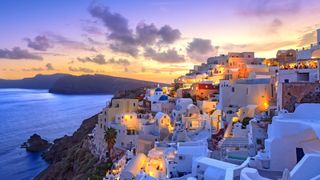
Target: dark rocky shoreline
70 158
36 144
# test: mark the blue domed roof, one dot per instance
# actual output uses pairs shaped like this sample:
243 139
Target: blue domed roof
163 98
158 89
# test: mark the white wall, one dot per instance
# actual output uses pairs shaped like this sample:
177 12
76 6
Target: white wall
307 168
292 75
284 138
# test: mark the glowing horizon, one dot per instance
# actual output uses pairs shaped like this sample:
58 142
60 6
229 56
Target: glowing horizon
148 40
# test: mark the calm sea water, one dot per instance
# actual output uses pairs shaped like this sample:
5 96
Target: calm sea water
24 112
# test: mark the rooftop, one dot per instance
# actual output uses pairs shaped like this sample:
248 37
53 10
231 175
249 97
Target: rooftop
254 81
215 163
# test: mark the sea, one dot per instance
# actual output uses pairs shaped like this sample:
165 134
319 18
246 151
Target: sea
24 112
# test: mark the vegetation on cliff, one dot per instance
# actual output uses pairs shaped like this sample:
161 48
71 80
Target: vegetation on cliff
70 158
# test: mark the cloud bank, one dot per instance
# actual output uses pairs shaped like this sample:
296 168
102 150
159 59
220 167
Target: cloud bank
17 54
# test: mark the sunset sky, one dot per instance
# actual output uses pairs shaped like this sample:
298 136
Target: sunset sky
154 40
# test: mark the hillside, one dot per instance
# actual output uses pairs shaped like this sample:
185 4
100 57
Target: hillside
96 84
70 158
36 82
70 84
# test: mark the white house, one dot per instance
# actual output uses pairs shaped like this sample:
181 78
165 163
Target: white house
186 152
182 104
133 168
128 128
164 125
180 108
211 169
192 118
290 137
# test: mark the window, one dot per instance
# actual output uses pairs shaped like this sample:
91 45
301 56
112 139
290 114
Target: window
134 104
303 77
232 89
131 132
299 154
259 141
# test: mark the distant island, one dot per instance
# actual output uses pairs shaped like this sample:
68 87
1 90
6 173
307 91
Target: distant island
37 82
88 84
84 84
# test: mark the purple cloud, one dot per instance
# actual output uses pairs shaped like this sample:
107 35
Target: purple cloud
269 7
18 53
169 56
100 59
40 43
124 39
81 69
169 35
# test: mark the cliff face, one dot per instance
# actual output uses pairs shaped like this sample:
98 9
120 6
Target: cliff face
70 158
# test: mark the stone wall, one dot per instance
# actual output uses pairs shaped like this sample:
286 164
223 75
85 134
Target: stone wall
299 92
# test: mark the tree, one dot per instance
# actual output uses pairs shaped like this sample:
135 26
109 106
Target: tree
110 136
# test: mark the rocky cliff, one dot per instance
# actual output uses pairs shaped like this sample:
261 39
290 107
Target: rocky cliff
36 144
70 158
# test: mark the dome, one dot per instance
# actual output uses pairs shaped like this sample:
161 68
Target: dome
193 109
163 98
159 115
158 89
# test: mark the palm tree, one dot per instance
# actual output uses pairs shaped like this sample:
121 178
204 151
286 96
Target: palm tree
110 136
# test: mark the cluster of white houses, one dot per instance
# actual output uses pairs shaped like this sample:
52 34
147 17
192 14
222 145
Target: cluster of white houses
234 117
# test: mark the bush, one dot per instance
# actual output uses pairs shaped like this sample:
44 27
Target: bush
245 122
